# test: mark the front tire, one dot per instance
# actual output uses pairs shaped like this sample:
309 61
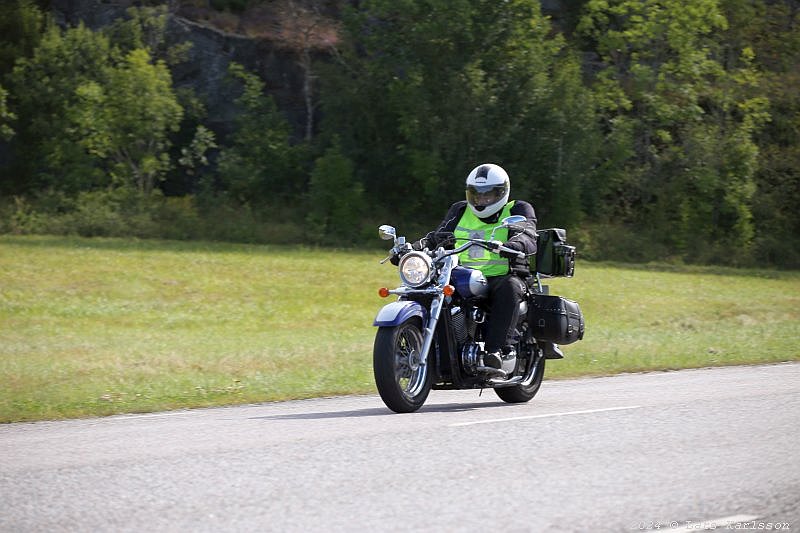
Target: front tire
402 381
524 393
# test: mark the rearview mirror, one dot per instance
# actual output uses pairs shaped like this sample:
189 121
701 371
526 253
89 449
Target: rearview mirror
513 219
509 222
387 233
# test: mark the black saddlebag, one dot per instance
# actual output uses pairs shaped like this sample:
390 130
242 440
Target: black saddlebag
554 257
555 319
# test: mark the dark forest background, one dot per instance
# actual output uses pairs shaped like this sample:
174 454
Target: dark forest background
651 130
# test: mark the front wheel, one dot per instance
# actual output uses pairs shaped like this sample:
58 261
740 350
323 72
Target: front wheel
524 392
402 380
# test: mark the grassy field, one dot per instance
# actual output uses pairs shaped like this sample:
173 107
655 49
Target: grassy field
102 326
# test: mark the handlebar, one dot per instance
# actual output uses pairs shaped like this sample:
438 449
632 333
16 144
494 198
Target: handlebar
489 245
483 243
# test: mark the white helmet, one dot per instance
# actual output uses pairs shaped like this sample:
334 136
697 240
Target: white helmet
488 188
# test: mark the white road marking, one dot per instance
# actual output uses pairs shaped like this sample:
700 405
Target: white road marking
531 417
709 525
146 415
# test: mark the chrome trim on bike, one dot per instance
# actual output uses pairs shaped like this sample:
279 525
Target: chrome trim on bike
448 264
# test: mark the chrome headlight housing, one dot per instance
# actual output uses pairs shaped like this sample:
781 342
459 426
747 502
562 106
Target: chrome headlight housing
416 269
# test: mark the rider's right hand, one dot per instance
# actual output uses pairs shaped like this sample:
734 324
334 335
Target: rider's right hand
436 239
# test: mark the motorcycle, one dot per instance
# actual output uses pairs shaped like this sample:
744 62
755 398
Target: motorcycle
432 336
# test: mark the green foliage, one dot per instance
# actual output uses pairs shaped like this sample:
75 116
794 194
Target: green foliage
126 212
256 163
22 24
685 124
92 113
769 30
127 122
105 213
43 88
194 155
146 27
336 198
674 126
6 116
458 85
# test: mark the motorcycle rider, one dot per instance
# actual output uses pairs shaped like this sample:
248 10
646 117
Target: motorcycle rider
487 203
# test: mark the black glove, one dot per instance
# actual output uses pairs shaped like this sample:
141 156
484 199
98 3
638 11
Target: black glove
494 246
442 238
435 239
517 247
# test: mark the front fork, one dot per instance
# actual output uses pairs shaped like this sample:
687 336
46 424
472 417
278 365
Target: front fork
430 327
436 307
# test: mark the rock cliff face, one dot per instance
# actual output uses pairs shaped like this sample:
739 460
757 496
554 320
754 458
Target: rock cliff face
253 38
212 51
206 70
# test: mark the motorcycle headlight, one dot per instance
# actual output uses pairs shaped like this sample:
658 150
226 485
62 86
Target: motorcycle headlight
415 269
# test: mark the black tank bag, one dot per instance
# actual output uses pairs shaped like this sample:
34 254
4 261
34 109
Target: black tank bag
554 257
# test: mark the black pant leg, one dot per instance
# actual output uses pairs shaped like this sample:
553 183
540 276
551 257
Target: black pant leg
506 292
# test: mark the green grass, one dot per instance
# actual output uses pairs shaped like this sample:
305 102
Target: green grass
102 326
661 318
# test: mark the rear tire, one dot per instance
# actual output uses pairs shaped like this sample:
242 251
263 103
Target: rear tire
402 381
524 393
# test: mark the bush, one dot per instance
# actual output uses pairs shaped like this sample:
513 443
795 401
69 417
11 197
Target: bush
126 212
336 198
610 242
106 213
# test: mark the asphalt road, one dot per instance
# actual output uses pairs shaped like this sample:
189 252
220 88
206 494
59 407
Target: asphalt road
641 452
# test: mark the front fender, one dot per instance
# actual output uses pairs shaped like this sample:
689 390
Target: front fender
396 313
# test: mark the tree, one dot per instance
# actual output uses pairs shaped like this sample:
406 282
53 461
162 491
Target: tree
256 163
304 30
127 121
6 116
429 89
42 88
93 112
21 27
336 197
146 27
770 30
683 124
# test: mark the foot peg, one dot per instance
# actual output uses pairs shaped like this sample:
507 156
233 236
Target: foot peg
493 372
551 350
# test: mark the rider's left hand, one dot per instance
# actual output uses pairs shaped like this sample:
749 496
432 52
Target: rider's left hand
516 247
494 246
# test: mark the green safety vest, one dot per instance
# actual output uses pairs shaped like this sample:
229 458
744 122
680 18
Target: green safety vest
477 257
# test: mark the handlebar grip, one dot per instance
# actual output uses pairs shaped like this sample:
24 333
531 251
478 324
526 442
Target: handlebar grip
519 254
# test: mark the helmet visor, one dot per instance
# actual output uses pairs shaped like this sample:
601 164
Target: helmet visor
480 196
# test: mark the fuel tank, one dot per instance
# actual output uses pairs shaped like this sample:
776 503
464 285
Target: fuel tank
469 283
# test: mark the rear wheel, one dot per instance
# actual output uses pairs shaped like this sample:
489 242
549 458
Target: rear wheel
402 380
526 391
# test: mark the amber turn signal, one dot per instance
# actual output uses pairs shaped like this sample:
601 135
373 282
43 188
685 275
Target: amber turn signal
448 290
383 292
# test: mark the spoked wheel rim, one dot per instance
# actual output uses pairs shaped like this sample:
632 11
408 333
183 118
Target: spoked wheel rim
410 373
